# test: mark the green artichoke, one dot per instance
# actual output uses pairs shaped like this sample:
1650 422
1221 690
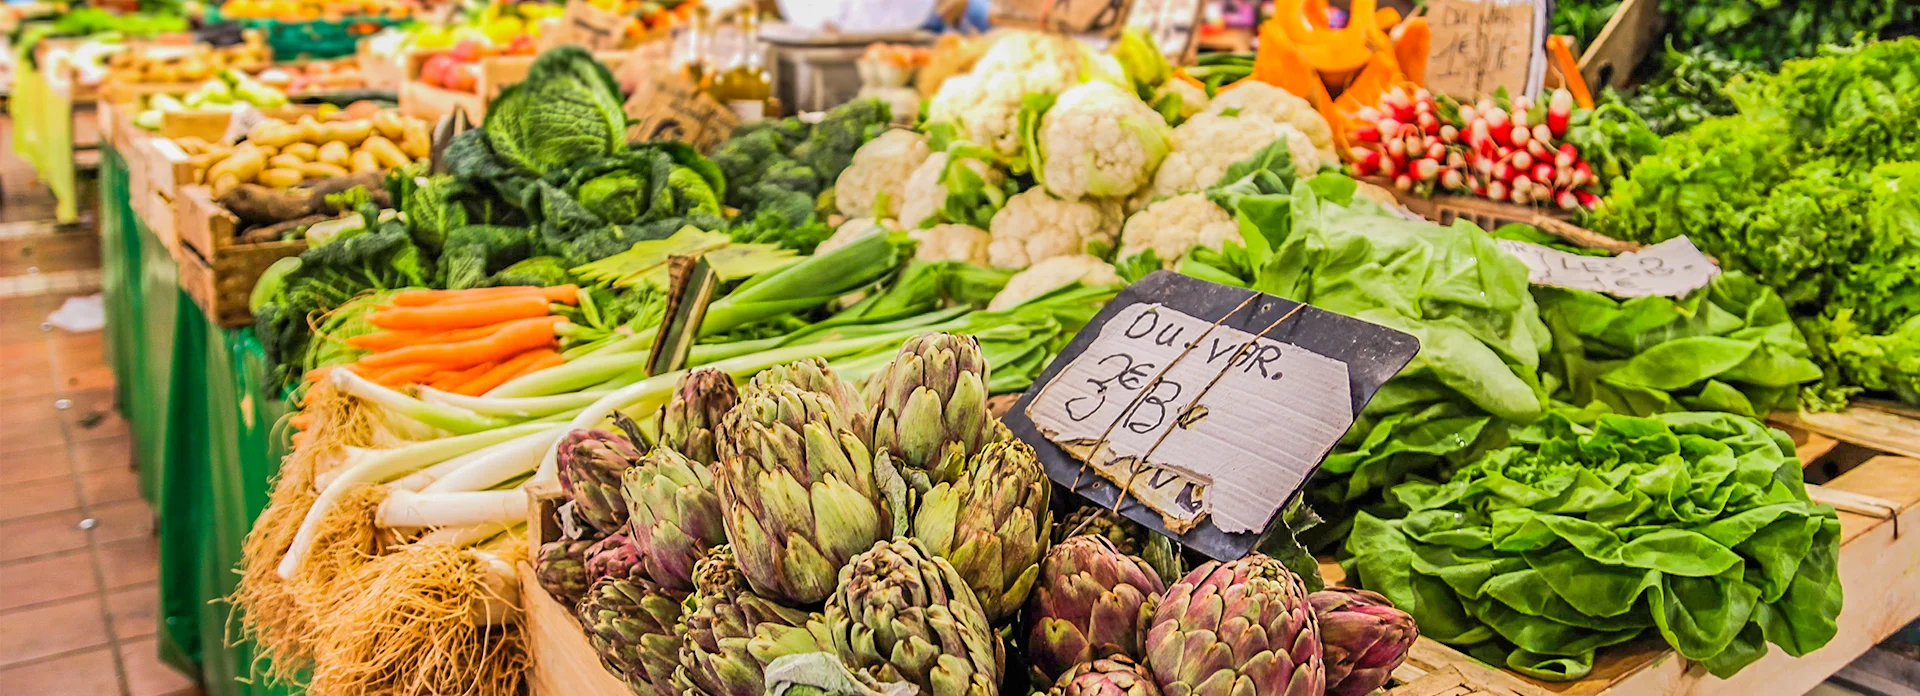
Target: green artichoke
822 674
688 421
904 614
1130 537
561 568
1243 627
993 524
634 628
589 463
674 514
1109 676
799 493
814 375
930 404
614 557
733 633
1362 637
1092 601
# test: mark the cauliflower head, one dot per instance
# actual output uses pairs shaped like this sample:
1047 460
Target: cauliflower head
1172 226
851 230
1208 143
1193 98
1051 274
1035 226
874 183
1256 98
952 243
985 104
1100 140
923 197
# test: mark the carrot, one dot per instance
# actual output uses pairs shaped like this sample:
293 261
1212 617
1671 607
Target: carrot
316 375
407 374
549 358
464 376
299 438
301 421
402 339
567 294
499 374
462 315
512 339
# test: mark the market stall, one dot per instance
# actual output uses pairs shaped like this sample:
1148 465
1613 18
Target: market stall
600 361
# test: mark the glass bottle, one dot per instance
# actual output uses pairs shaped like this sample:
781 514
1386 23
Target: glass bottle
746 86
696 62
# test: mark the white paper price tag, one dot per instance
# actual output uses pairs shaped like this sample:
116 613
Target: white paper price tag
1226 433
1672 268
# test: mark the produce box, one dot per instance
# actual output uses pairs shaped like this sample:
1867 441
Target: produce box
1488 214
380 72
430 102
1633 32
214 270
563 662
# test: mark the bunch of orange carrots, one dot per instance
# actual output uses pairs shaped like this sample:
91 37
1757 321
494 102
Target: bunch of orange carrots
461 341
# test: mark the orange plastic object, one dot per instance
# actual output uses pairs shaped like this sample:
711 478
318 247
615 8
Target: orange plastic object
1411 48
1385 18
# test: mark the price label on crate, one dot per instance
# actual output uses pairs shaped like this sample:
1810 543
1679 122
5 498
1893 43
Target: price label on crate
582 24
667 106
1199 409
1481 45
1093 18
1672 268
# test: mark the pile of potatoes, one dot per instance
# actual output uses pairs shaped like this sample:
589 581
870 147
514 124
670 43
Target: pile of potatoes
277 154
169 64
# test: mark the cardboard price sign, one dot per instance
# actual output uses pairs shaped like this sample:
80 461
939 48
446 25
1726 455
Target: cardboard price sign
1097 18
1672 268
667 106
1482 45
582 24
1200 409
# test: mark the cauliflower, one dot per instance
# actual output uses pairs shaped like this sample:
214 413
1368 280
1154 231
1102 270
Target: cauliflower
1171 227
952 243
923 198
1051 274
1255 98
851 230
1193 98
1099 140
872 186
1208 143
1034 226
985 104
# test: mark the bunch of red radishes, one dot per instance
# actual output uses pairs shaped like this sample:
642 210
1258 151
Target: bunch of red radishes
1498 148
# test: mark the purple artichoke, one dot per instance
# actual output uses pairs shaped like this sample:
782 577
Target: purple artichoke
561 568
1243 627
688 421
733 633
1088 605
1110 676
635 629
590 463
674 514
614 557
1363 637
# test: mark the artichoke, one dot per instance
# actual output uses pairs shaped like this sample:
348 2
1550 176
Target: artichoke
930 404
561 567
1110 676
634 629
1091 602
993 524
813 375
1243 627
732 633
798 492
688 421
1130 537
590 463
1362 637
674 514
614 557
903 614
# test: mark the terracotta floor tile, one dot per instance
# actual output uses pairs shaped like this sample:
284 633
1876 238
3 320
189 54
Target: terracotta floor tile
31 634
129 563
91 414
42 535
148 676
47 579
109 486
135 611
23 349
48 252
29 381
128 519
39 463
89 673
85 378
30 426
37 497
108 453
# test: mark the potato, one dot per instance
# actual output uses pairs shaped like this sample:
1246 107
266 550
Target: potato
390 124
350 132
364 162
417 144
311 131
280 177
322 170
384 151
284 161
335 153
305 151
273 134
243 166
206 159
192 144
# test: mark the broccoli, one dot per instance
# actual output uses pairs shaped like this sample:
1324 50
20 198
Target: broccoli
473 251
542 271
771 226
829 148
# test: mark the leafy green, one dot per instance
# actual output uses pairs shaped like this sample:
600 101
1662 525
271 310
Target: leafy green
782 167
1583 19
1611 139
1771 31
540 271
1590 532
567 110
1687 88
326 277
474 252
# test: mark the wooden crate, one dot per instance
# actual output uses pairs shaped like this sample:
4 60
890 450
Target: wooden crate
216 272
1634 30
379 71
1878 565
1488 215
564 663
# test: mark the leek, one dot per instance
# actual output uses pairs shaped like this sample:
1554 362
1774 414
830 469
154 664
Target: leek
500 463
515 407
451 419
409 509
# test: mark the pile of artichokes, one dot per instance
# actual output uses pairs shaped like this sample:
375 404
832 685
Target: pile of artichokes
802 533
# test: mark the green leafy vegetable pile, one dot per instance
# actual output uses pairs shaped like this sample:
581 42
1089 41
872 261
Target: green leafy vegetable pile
1810 189
778 172
1772 31
1588 534
1688 87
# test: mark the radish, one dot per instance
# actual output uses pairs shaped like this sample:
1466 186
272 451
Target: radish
1522 160
1566 156
1389 127
1484 166
1368 114
1479 136
1519 116
1542 133
1366 133
1542 172
1426 169
1397 150
1582 174
1422 107
1467 113
1456 159
1566 200
1421 93
1522 191
1504 171
1365 161
1416 145
1522 103
1436 151
1587 199
1485 106
1496 191
1562 177
1559 112
1403 182
1451 179
1539 150
1520 136
1449 134
1428 123
1497 118
1388 167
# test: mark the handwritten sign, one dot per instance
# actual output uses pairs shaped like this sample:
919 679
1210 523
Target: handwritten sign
582 24
1093 18
1173 24
1200 410
1481 45
1672 268
667 106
